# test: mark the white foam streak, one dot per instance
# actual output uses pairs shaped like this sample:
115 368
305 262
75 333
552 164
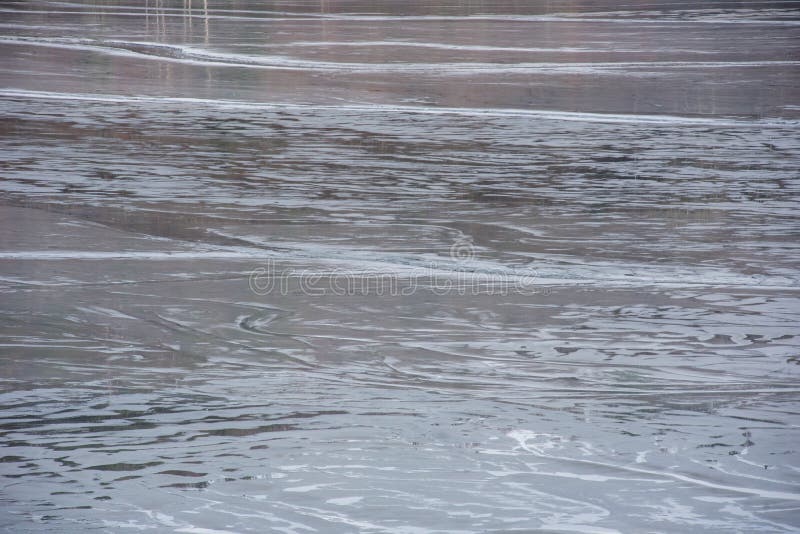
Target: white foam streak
614 118
523 437
194 56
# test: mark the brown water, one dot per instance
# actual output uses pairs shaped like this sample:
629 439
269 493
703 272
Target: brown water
399 266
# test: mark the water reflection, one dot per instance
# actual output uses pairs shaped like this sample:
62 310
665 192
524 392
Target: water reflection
638 167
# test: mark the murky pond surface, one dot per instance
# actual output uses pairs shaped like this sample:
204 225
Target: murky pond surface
399 266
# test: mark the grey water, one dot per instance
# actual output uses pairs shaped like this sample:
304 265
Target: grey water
399 266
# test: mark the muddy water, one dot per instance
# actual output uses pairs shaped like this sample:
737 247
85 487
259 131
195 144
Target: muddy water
399 266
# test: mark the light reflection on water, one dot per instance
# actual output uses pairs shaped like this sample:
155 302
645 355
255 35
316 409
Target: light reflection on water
638 168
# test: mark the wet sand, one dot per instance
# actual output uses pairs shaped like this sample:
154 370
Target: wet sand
399 267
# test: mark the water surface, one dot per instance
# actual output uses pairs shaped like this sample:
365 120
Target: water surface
399 266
